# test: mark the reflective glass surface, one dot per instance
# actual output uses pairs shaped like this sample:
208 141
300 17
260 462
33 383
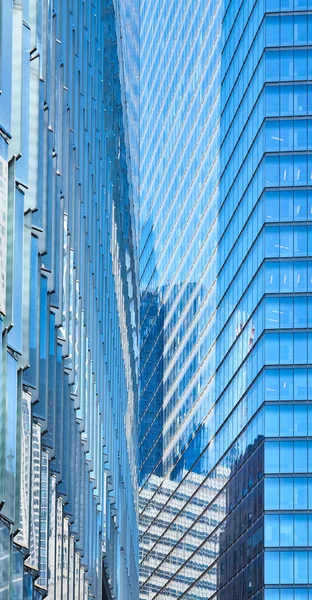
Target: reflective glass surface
68 299
225 284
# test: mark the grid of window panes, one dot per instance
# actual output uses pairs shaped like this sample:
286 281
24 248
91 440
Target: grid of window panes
68 307
226 241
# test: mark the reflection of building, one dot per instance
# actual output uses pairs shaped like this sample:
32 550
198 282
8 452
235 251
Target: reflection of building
151 397
240 561
171 541
68 303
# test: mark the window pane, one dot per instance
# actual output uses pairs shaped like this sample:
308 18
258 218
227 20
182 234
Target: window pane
300 493
300 530
286 530
271 529
271 572
271 457
286 493
271 489
286 567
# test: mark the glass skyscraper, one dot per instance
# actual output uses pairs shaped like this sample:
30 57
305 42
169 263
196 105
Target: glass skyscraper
226 305
68 303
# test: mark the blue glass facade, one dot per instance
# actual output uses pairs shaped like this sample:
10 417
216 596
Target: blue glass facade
68 306
226 245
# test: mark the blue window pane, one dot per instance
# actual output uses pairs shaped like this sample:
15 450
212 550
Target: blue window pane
301 567
286 493
300 348
272 5
286 567
272 136
272 313
300 420
272 100
301 531
300 64
286 420
300 169
287 5
286 348
287 594
300 311
310 568
286 531
272 277
272 493
310 420
309 457
300 241
286 457
287 135
286 241
300 30
286 277
271 567
300 384
300 457
310 492
300 276
271 200
286 170
271 37
310 529
272 421
287 65
272 171
271 384
287 30
272 65
300 205
286 313
271 457
271 530
309 347
272 241
286 205
301 594
272 348
300 100
287 101
300 493
286 384
271 594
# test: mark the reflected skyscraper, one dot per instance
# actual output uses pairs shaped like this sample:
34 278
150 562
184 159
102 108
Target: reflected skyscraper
151 406
68 301
225 250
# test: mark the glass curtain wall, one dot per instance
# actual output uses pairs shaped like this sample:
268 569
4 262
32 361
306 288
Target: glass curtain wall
226 278
68 306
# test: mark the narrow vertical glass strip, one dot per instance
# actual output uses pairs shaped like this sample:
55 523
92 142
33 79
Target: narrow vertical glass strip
52 538
65 581
17 575
77 576
22 537
5 550
59 549
42 581
33 559
71 568
11 408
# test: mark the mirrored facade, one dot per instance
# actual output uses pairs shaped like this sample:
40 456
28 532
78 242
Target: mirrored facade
68 305
226 278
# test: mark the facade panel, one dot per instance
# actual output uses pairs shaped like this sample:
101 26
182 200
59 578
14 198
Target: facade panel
68 307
